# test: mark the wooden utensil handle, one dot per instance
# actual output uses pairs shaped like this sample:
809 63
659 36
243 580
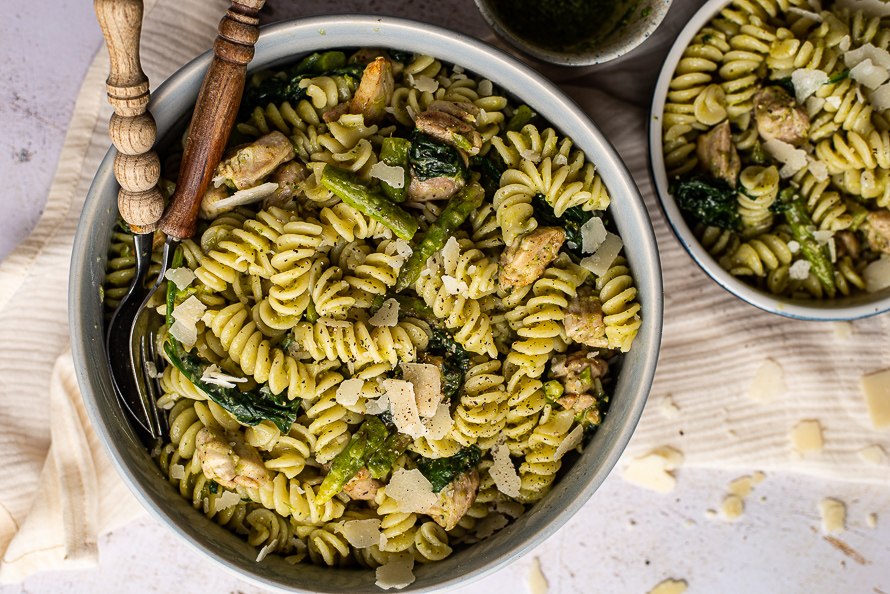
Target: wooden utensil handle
132 129
214 115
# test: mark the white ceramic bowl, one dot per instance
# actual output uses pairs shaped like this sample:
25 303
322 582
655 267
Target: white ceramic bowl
284 43
842 308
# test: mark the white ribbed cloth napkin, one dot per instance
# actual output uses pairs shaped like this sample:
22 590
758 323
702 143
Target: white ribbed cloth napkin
58 491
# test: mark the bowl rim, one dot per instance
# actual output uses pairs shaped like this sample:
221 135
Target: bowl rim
293 38
613 50
816 310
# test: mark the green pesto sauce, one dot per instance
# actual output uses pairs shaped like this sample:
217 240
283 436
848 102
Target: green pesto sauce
566 25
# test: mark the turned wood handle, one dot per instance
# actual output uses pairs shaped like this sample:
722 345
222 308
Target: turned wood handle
214 115
132 129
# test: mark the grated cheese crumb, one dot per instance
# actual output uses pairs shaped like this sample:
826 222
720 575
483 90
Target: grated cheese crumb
732 507
394 175
834 515
793 247
800 270
769 382
601 260
560 160
669 586
651 471
349 391
411 491
668 408
362 533
504 473
807 437
871 520
403 248
873 454
397 572
876 389
593 233
537 582
152 370
387 315
181 277
177 472
427 381
266 550
845 43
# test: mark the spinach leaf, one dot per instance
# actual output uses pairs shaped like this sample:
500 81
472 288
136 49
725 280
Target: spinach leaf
490 174
785 83
319 63
400 56
707 199
456 360
571 220
250 408
429 159
522 116
442 471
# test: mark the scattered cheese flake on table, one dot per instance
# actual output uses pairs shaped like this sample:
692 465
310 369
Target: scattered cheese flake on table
394 175
834 515
877 275
757 477
732 507
440 424
876 389
570 442
868 74
741 487
503 473
668 408
387 315
843 330
214 375
348 391
266 550
807 81
873 454
602 259
794 159
669 586
651 471
427 382
876 55
362 533
226 500
800 270
411 491
403 406
593 233
397 572
537 581
710 514
247 196
871 520
181 277
769 382
454 286
490 524
807 437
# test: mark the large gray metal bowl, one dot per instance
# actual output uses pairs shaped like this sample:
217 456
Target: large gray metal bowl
284 42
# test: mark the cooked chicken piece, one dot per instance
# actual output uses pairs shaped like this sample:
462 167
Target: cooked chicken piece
847 244
577 402
454 500
366 55
435 188
362 486
526 259
466 112
254 161
879 231
446 128
209 210
334 113
287 176
374 92
779 116
572 371
229 461
584 319
717 153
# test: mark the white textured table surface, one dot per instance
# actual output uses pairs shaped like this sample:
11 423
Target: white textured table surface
625 539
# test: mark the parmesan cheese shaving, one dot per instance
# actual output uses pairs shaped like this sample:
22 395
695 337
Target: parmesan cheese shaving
570 442
845 43
601 260
214 375
427 380
769 382
593 233
362 533
332 323
668 408
403 406
814 106
184 333
450 255
817 168
490 524
537 582
402 248
411 491
805 13
397 572
876 389
834 515
843 330
669 587
247 196
877 275
177 472
533 156
876 55
793 159
651 471
514 509
880 97
394 175
181 277
387 315
503 473
440 424
266 550
807 81
226 500
377 406
349 391
454 286
868 74
800 270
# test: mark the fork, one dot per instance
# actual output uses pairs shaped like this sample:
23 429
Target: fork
129 342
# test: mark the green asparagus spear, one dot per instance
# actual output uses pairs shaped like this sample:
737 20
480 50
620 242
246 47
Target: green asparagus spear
370 202
176 262
367 440
458 209
394 152
382 460
522 116
817 254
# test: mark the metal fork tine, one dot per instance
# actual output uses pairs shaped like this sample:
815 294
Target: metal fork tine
155 383
150 398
